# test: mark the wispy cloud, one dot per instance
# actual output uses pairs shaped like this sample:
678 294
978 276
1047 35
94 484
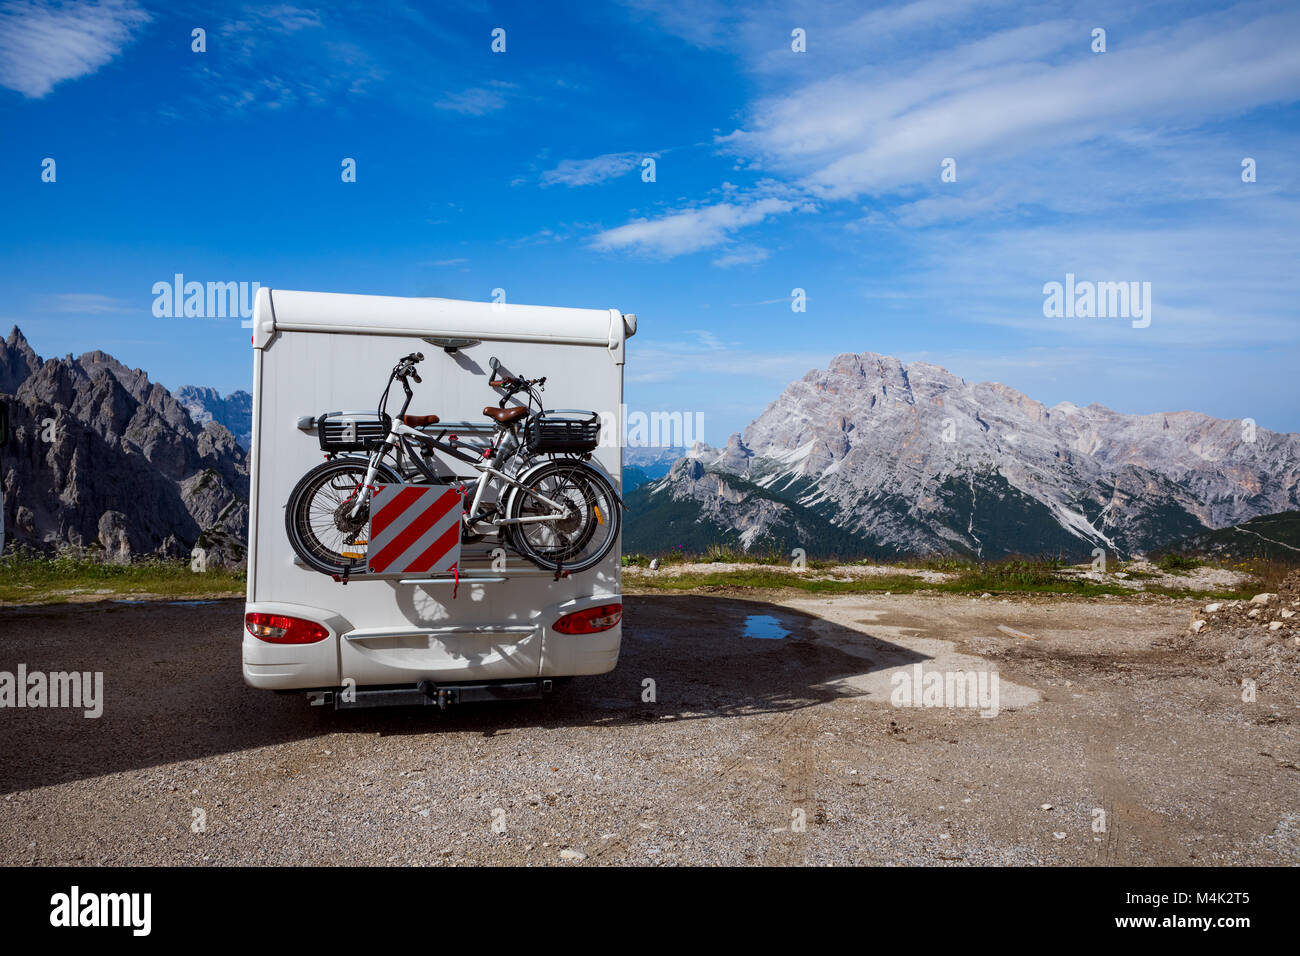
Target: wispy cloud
587 172
279 19
741 256
476 101
1004 99
690 230
86 303
701 365
1027 90
1225 281
43 44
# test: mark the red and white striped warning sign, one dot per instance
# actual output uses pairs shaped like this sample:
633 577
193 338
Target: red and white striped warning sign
414 528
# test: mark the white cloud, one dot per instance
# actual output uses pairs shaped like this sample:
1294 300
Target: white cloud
476 101
586 172
951 209
701 23
741 256
1225 281
1019 92
87 303
690 230
700 365
43 44
707 339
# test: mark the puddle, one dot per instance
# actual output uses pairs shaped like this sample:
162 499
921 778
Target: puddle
765 627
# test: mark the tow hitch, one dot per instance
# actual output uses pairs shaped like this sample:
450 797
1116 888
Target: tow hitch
428 694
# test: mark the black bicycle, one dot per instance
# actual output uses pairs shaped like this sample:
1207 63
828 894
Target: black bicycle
536 489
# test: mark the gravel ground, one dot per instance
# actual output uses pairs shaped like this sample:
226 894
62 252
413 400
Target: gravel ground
1117 741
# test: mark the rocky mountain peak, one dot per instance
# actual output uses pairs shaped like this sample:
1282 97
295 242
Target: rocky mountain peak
234 412
101 456
912 459
18 361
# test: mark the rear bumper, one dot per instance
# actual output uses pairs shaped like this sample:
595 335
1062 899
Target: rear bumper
408 654
291 666
568 655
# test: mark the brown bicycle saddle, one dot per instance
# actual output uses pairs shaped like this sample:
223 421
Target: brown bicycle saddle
504 416
419 421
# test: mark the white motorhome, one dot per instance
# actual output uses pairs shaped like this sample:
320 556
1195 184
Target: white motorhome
486 629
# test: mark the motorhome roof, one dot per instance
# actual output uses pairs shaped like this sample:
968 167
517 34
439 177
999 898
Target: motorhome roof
289 311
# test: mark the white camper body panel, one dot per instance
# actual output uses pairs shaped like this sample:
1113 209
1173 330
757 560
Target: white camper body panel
317 352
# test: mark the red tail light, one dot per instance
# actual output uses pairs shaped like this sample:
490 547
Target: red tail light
592 620
282 629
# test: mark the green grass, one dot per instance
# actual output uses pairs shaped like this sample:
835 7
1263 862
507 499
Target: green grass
1268 573
1179 563
1012 576
759 578
31 579
721 554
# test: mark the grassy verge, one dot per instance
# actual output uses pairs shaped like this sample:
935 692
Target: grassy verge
719 554
1015 576
761 578
28 579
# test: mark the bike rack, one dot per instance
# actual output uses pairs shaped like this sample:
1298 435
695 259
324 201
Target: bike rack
468 575
307 423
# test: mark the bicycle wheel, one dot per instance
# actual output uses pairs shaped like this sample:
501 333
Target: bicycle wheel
318 518
585 534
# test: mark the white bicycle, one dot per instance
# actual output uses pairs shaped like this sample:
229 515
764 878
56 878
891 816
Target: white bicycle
536 490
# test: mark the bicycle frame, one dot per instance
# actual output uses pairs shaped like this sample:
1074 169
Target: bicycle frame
400 432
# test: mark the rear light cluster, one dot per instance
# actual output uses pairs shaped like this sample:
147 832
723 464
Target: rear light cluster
592 620
282 629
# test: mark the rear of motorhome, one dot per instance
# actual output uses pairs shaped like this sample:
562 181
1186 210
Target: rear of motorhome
484 629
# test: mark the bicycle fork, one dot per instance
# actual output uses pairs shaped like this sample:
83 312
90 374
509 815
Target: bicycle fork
368 486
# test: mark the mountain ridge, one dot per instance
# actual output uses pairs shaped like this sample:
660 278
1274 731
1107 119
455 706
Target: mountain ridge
101 457
234 411
912 459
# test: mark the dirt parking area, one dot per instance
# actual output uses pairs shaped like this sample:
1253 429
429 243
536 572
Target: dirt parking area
773 736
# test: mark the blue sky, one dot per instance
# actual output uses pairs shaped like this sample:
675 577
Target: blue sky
775 170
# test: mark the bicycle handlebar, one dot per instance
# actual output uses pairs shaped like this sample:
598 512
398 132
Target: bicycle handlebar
516 383
406 367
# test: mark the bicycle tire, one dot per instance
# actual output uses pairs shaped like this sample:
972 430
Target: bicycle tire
303 538
571 538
